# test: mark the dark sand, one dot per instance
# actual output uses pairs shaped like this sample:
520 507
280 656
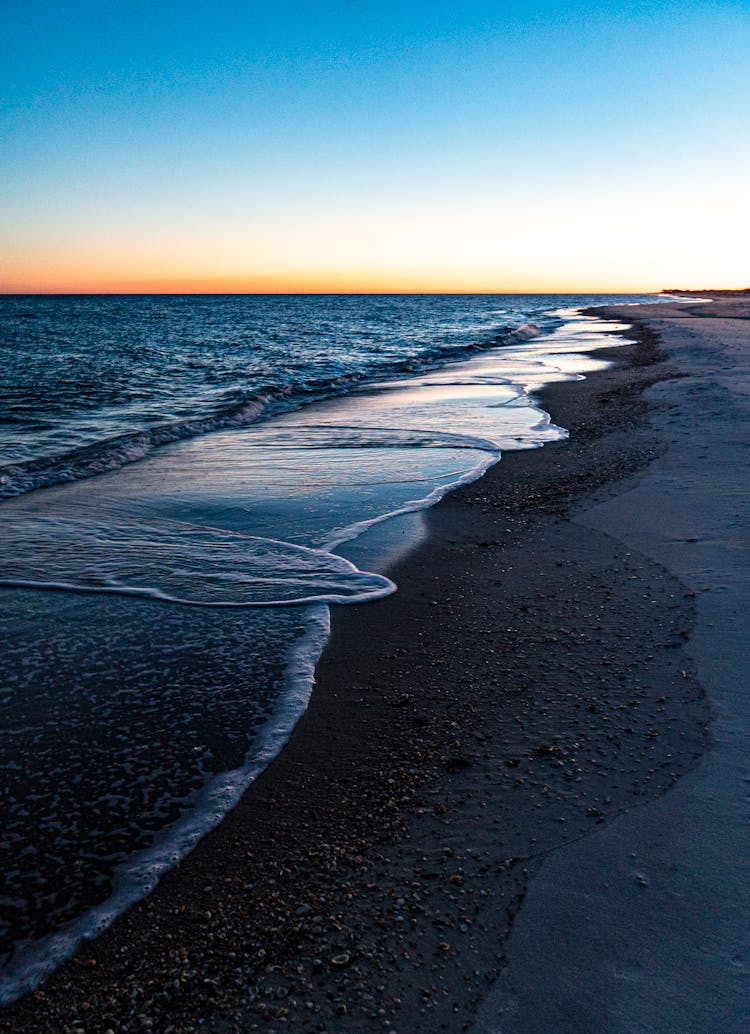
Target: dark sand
527 684
645 925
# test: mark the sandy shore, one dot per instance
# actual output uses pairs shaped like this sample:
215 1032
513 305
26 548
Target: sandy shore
533 680
650 916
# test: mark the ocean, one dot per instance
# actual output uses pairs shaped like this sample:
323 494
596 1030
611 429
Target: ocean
187 484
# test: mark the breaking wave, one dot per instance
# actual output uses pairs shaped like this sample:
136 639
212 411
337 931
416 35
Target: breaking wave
115 452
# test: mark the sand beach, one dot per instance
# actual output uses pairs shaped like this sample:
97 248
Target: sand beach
520 806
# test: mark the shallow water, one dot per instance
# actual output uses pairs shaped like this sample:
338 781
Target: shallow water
164 618
90 383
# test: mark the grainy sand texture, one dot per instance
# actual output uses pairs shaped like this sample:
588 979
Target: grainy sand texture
645 926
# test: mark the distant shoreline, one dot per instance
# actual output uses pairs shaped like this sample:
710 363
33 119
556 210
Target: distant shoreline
718 292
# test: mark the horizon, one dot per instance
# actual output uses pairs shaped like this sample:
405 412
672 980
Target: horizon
349 149
329 294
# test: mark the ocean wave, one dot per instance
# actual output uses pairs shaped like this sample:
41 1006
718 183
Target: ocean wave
523 333
112 453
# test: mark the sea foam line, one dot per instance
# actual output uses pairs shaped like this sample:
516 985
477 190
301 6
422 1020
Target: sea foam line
138 877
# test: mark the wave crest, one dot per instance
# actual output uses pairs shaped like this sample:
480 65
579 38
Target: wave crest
113 453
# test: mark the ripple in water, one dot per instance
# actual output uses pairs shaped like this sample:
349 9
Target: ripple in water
175 563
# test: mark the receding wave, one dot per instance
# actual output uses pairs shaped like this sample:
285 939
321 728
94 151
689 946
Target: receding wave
112 453
352 436
176 563
17 479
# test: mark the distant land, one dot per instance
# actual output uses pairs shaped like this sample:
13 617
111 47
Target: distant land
706 290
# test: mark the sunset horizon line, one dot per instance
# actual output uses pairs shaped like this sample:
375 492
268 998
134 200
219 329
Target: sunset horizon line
188 289
323 294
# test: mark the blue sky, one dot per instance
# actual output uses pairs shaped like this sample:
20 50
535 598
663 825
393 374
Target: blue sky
354 144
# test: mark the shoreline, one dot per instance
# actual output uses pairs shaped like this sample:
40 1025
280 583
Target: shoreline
650 915
319 863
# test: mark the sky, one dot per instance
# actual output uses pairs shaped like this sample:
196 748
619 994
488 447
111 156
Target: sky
354 146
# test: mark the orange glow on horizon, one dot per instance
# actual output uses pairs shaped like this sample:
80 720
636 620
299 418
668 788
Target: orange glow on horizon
310 282
617 242
305 286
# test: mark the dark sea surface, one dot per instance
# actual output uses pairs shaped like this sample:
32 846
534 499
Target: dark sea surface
118 374
187 484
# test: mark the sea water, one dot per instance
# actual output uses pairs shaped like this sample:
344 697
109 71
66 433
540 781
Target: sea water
187 484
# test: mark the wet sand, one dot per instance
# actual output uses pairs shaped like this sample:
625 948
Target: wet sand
529 683
650 916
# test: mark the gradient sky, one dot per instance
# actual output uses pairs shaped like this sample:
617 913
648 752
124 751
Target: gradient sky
361 146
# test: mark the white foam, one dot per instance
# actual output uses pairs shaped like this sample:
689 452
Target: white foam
525 332
176 563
